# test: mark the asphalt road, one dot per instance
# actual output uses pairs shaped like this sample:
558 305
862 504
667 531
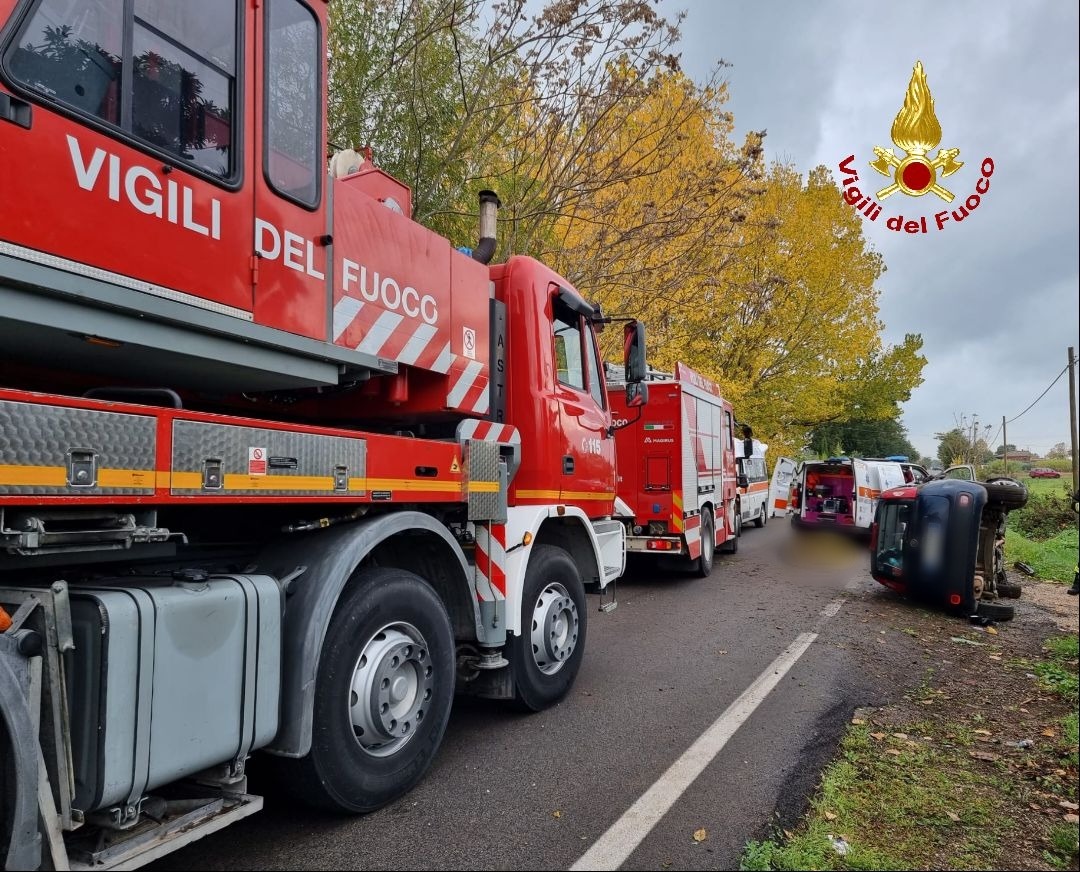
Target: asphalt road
511 791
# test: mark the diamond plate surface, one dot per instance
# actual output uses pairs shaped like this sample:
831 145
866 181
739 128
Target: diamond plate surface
38 435
482 464
316 455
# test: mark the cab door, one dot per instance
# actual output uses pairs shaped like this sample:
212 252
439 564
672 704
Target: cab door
780 486
588 461
291 246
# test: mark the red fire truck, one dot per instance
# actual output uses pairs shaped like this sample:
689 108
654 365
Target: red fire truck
677 479
280 469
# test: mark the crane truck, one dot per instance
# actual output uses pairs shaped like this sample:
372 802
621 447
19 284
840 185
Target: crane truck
281 470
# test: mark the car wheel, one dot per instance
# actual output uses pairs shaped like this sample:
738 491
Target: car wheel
1009 589
1006 492
995 611
762 519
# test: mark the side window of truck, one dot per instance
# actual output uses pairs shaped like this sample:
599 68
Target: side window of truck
164 73
596 385
293 67
569 362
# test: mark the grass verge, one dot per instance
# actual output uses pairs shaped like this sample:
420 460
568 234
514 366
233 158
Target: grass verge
1053 560
954 787
897 803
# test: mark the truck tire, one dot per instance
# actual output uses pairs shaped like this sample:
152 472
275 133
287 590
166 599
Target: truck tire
383 693
762 519
704 564
1006 492
546 656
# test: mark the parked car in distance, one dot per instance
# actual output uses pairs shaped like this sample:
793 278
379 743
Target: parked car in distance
1043 472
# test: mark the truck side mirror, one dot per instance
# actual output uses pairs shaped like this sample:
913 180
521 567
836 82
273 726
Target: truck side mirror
743 481
634 352
637 395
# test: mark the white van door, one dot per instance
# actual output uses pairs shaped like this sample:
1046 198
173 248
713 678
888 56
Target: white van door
780 487
865 486
890 475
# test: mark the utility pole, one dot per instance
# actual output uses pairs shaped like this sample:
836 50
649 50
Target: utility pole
974 434
1004 445
1072 418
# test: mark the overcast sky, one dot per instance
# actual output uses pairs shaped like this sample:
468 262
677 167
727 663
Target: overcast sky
995 298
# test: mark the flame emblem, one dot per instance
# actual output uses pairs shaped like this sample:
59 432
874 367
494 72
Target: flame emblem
917 131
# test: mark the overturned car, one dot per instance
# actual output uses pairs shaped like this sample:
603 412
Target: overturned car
943 542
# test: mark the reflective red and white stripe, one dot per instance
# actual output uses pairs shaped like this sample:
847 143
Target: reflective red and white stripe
693 536
370 329
490 562
468 387
488 431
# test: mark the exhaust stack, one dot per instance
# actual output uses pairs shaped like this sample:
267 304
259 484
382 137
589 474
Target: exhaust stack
489 213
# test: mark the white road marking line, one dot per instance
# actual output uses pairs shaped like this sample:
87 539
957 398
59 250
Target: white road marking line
832 608
622 838
854 583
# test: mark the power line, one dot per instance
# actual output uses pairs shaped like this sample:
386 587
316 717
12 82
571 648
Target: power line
1040 396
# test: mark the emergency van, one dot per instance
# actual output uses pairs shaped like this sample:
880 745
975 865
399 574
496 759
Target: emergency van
841 492
753 481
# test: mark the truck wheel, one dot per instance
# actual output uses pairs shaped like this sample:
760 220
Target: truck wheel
762 519
382 694
546 655
1006 492
704 564
995 611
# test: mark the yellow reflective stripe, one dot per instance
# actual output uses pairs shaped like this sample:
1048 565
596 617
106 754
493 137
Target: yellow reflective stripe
564 495
483 487
139 478
240 482
33 476
56 476
414 484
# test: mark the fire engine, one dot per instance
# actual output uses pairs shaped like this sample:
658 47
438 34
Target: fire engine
280 469
676 472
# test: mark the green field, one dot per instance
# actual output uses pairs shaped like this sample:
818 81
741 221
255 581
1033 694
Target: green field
1058 486
1054 559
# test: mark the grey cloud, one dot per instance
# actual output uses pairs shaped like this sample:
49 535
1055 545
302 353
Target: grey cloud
995 297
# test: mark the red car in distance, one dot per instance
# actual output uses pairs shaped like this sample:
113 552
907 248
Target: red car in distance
1042 472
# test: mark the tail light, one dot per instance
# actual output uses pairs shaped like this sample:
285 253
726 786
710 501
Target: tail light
796 497
873 536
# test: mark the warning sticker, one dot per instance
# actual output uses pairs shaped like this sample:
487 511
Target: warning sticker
454 465
256 461
468 342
